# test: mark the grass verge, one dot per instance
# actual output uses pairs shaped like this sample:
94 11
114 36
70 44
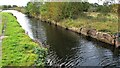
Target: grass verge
0 26
108 23
17 48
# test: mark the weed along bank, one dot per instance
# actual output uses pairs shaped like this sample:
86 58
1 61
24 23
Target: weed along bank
64 44
97 24
102 36
60 34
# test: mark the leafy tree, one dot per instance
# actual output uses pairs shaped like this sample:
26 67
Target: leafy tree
9 6
62 10
15 6
5 7
114 8
33 8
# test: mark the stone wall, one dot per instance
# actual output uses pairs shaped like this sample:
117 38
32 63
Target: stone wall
102 36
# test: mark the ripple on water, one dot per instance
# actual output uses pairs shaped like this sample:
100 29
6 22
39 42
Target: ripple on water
68 48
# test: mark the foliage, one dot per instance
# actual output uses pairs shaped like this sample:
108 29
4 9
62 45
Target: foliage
9 6
58 10
17 48
81 14
33 8
62 10
94 20
15 6
5 7
114 8
1 28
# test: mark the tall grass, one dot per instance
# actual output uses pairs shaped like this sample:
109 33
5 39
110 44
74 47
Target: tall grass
0 24
108 23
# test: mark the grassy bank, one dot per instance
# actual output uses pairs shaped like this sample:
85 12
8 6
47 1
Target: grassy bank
108 23
0 28
17 48
103 18
0 25
0 40
20 9
99 22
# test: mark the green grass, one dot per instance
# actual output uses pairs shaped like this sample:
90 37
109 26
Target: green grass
17 48
0 43
0 28
108 23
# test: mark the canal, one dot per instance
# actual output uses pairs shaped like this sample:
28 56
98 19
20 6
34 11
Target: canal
67 48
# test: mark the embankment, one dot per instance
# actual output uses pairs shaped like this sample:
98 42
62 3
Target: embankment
17 48
93 33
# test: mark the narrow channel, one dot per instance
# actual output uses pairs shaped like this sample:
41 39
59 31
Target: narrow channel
67 48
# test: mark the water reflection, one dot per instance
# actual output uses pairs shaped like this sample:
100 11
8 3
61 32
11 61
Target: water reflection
68 48
23 21
38 31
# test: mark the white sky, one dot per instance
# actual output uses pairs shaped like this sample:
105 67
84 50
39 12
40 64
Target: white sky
14 2
24 2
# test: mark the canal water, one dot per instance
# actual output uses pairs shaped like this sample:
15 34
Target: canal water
67 48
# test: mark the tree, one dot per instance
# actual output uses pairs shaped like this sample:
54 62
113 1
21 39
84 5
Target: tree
4 6
9 6
114 8
62 10
14 5
33 8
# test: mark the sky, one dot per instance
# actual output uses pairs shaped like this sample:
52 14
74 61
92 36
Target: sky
24 2
14 2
